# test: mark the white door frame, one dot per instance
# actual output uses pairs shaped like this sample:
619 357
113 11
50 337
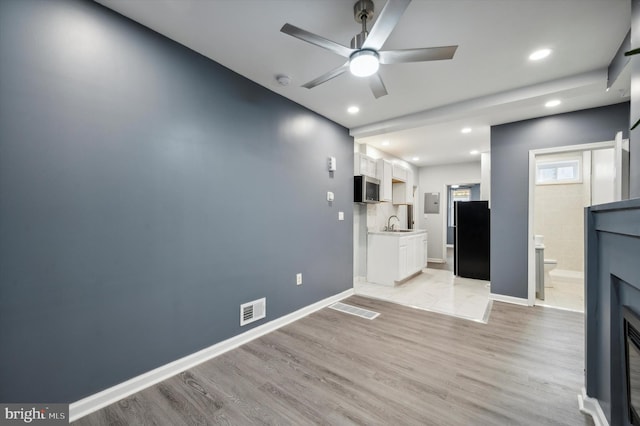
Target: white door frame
531 249
446 214
444 201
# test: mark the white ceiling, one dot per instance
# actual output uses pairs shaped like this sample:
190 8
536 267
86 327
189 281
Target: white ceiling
489 81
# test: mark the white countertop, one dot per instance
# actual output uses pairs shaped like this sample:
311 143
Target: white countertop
399 234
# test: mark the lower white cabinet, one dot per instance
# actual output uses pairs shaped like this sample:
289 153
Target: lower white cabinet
395 256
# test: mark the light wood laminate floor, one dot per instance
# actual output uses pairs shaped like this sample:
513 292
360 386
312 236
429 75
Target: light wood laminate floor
406 367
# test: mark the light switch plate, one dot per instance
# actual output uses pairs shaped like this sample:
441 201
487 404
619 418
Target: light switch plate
332 164
330 196
340 215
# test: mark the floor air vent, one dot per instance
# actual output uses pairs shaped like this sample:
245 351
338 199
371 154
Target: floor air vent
253 311
354 310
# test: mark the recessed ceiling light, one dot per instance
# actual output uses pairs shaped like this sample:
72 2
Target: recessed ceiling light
385 143
466 130
539 54
455 186
415 158
353 109
553 103
474 152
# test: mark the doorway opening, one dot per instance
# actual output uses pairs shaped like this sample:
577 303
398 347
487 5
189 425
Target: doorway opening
455 192
562 182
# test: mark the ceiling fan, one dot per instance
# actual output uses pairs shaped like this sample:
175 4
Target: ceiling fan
364 55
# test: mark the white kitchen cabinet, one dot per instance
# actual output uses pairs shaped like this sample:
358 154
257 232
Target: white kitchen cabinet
364 165
425 256
385 173
393 257
403 191
403 258
400 172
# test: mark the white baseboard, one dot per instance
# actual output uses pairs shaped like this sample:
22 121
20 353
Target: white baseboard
509 299
591 406
434 260
115 393
359 279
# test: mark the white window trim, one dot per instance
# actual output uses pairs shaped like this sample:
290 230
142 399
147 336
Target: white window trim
577 162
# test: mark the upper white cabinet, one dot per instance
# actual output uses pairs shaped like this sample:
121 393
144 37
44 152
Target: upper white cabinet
385 171
403 191
400 172
364 165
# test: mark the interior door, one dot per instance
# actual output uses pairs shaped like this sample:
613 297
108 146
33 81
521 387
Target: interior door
622 168
603 176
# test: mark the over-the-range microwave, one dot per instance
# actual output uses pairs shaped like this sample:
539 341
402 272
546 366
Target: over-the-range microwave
366 189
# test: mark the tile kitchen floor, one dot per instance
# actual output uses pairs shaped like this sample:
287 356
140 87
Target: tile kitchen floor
437 291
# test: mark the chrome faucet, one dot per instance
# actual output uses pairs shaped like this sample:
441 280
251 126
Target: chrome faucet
389 226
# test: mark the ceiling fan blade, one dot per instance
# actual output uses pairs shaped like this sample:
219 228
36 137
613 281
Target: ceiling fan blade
304 35
377 86
386 22
417 55
327 76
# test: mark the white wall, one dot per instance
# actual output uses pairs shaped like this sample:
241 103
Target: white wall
435 179
559 216
485 177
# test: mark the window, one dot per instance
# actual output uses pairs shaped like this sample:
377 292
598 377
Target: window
553 172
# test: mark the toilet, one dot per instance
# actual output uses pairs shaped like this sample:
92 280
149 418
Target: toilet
549 265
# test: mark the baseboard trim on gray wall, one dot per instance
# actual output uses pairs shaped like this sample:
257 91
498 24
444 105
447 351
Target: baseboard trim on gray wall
435 260
509 299
591 406
115 393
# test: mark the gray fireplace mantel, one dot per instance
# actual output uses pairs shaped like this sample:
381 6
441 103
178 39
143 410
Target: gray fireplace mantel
612 253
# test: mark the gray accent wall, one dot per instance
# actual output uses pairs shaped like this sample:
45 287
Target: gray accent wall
145 193
634 140
510 146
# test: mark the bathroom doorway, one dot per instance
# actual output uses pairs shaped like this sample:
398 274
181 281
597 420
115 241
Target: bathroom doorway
563 181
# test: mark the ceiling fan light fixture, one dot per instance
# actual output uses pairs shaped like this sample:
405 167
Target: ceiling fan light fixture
364 63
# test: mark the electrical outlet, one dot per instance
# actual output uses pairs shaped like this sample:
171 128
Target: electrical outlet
298 279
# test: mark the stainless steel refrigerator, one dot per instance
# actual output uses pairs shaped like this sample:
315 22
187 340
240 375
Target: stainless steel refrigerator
471 239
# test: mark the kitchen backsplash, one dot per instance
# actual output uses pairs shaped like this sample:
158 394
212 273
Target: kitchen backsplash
378 216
